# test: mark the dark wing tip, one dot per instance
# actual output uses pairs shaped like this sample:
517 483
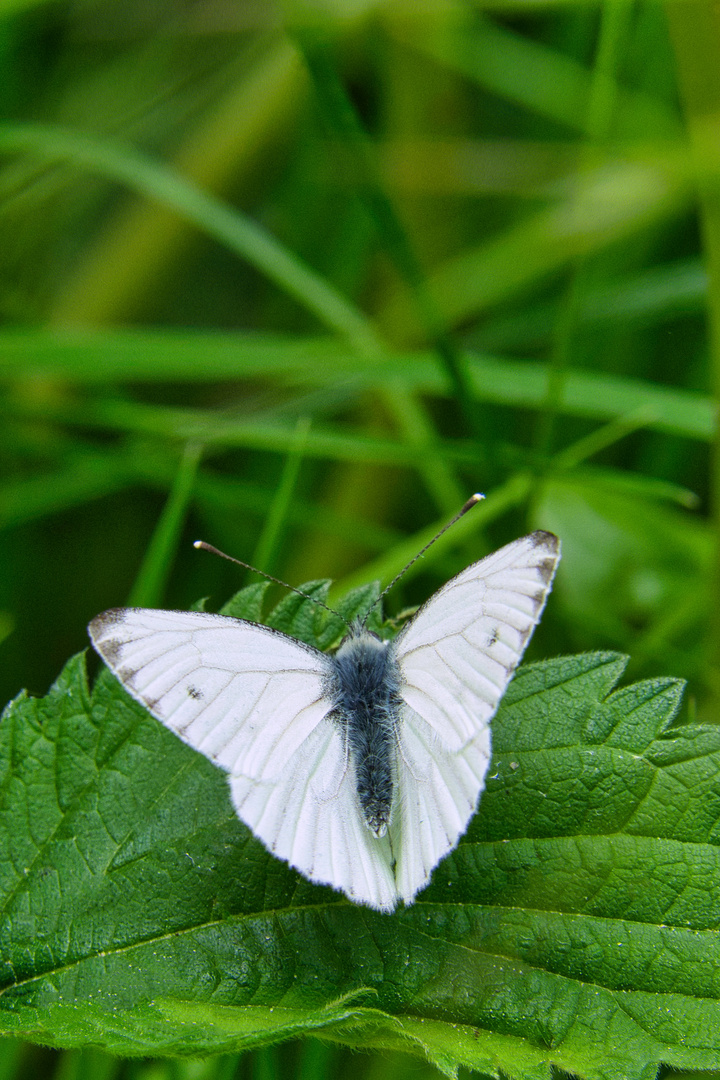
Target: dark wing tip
105 621
549 545
548 540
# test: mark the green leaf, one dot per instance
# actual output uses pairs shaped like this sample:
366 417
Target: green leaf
575 926
247 603
358 603
297 612
302 618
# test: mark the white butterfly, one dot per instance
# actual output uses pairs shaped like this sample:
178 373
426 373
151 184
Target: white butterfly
362 769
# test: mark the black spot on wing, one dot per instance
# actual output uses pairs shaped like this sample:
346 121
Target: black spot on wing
194 693
494 635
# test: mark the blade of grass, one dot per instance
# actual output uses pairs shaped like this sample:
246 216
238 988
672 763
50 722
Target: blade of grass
317 1061
264 555
89 358
226 494
80 1064
156 566
645 298
600 110
529 73
341 116
217 219
511 494
83 478
141 244
12 1052
417 430
210 214
637 485
695 32
265 1064
206 427
602 438
605 205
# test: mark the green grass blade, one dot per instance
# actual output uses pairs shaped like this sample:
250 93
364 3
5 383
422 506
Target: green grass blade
156 567
216 218
264 555
314 362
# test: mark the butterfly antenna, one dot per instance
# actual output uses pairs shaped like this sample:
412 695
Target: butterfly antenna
201 545
472 501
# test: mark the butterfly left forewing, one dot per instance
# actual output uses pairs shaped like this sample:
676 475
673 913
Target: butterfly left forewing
243 695
254 701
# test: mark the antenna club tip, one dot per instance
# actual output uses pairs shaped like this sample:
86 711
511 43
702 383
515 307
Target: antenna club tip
476 498
197 544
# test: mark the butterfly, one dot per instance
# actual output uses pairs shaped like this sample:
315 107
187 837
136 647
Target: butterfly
361 769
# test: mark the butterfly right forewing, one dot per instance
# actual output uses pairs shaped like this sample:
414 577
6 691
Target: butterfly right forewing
309 816
460 651
456 658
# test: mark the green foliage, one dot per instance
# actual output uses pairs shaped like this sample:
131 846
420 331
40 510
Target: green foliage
574 925
309 622
298 279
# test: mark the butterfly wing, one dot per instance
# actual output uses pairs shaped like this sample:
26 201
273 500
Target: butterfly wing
439 793
310 817
456 659
245 696
254 701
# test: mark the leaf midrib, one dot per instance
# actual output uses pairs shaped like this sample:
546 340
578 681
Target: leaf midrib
270 914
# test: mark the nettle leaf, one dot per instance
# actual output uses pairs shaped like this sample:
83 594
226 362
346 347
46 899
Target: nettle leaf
309 622
359 603
295 616
247 603
575 926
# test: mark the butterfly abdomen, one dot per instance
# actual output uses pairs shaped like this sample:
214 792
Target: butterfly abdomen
366 684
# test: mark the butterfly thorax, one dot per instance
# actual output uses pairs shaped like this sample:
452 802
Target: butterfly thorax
366 691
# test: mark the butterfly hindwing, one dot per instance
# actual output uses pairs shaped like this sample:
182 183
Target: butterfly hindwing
439 793
309 816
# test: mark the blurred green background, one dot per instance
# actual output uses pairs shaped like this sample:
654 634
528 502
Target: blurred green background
299 278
